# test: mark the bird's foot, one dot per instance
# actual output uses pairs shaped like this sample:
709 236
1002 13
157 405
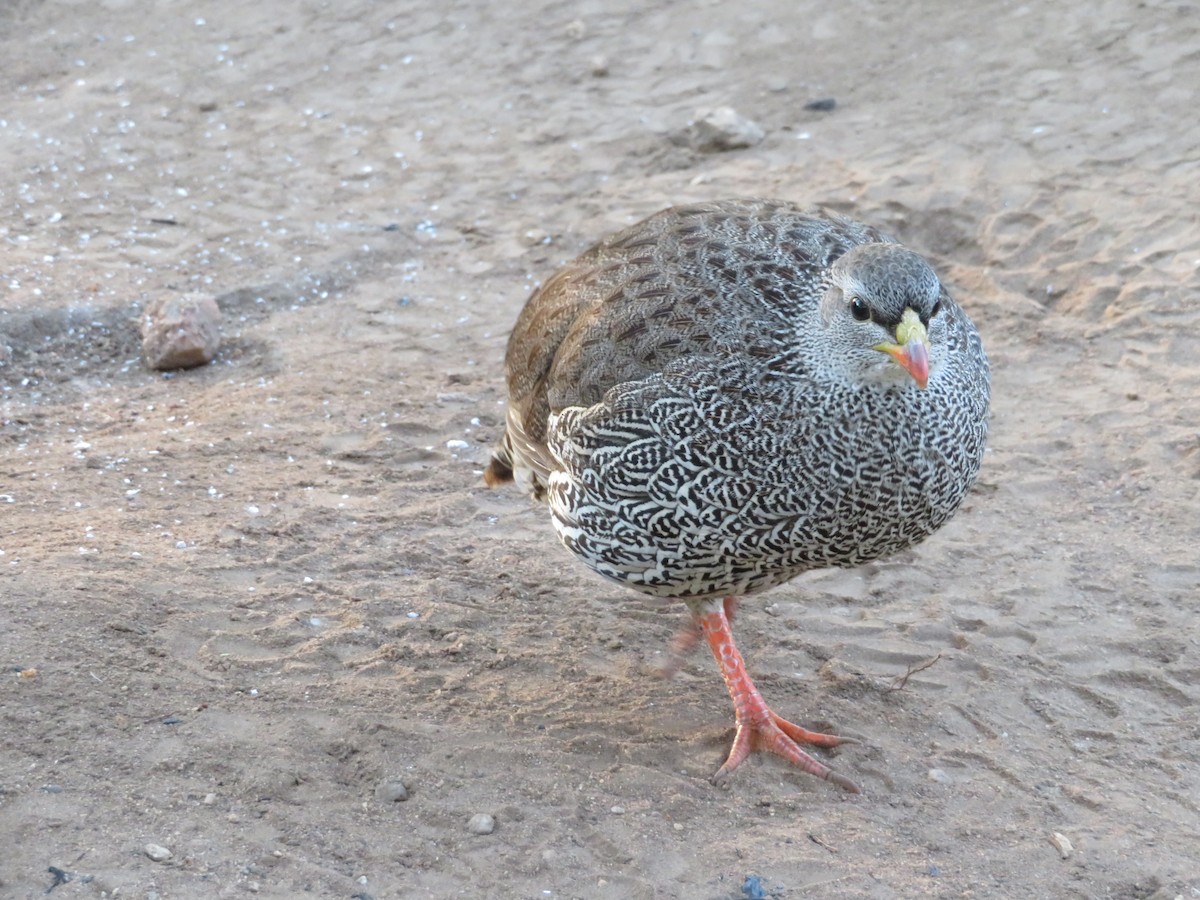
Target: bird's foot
758 726
776 734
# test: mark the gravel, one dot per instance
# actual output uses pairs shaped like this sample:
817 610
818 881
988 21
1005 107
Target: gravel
481 823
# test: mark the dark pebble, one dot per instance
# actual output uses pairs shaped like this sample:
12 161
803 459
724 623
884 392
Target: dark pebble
823 105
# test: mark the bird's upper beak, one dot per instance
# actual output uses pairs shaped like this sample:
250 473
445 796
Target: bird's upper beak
911 349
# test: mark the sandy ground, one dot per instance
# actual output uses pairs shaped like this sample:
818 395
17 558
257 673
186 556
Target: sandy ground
255 593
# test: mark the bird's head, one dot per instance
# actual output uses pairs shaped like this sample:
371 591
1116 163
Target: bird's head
881 314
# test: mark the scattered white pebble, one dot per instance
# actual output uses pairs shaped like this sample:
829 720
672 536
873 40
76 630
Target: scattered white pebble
617 810
938 775
457 445
720 129
157 853
1062 845
481 823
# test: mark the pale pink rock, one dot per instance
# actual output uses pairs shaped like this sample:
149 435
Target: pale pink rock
180 331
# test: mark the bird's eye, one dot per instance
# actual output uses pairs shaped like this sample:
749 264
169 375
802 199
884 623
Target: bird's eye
937 308
859 309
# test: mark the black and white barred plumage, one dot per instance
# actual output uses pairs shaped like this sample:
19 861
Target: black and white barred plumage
703 401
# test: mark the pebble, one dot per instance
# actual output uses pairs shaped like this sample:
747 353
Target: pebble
157 853
391 790
534 237
1062 845
938 775
720 129
180 331
825 104
481 823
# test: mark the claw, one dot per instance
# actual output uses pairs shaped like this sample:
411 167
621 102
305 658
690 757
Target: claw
758 727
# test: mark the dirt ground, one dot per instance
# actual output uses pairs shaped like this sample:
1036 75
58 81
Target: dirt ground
239 603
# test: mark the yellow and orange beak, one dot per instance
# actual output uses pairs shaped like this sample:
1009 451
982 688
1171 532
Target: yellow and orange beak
911 349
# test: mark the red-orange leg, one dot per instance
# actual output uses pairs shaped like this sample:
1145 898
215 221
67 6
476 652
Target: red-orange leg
688 637
758 727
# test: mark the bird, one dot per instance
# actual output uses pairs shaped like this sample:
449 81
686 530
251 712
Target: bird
730 393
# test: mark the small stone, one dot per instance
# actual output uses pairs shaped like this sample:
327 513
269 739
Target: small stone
180 331
481 823
599 67
157 853
209 799
391 790
721 129
938 775
825 104
575 30
534 237
617 810
1062 845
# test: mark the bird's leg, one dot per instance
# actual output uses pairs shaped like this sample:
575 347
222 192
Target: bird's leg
688 637
758 728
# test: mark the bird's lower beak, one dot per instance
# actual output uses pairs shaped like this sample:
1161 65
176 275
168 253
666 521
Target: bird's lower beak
911 349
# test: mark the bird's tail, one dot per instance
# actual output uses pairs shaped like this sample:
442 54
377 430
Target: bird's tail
500 469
